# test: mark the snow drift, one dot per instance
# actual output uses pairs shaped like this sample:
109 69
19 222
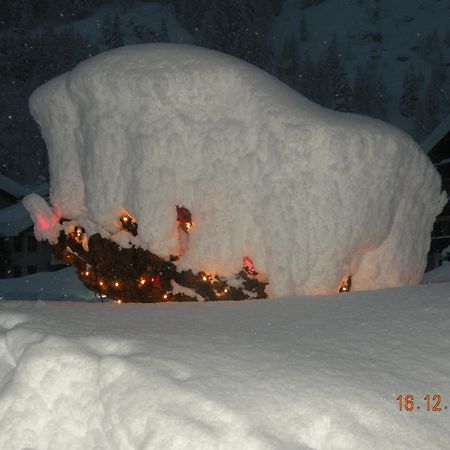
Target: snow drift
311 195
295 373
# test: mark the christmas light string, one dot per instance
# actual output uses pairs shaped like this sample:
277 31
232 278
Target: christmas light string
154 284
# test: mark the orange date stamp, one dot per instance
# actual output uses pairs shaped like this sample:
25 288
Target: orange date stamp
427 403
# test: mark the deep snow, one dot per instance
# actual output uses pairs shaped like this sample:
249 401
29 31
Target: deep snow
59 285
315 373
311 195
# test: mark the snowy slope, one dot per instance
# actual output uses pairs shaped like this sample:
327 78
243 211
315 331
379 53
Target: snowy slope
309 373
403 25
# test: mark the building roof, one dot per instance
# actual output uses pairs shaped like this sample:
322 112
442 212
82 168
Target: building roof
11 187
15 218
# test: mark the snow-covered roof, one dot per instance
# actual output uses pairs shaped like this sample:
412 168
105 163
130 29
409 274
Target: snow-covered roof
18 191
438 133
15 218
11 187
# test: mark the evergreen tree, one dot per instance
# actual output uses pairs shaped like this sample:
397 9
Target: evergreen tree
379 106
311 80
373 13
163 33
430 110
72 48
105 29
191 13
238 28
116 39
277 6
336 87
447 39
307 3
430 47
111 32
370 95
304 33
361 89
289 63
410 94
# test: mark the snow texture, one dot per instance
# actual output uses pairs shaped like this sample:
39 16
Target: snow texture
59 285
309 373
310 195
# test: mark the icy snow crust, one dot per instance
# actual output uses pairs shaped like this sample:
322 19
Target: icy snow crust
311 195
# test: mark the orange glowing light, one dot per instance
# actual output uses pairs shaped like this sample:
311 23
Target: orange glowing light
101 283
165 296
119 301
87 273
346 285
142 281
116 284
205 278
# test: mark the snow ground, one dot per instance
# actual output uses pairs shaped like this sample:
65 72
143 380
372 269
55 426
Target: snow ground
60 285
439 275
309 372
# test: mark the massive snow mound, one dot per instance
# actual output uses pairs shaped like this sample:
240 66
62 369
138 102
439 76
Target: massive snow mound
311 195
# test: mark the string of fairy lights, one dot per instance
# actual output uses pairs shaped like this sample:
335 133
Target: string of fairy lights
162 282
159 281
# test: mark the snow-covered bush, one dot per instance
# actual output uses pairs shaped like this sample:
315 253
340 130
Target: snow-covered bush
311 196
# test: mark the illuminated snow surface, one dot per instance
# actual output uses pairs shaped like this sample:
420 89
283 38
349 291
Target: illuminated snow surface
290 373
311 195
